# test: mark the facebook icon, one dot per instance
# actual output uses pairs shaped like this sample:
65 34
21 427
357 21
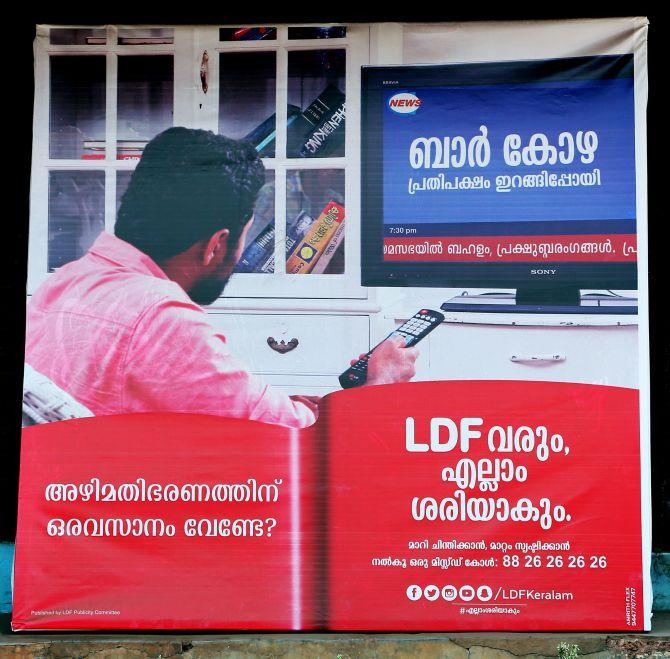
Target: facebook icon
414 592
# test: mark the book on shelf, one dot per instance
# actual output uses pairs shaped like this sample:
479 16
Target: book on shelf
263 137
321 32
94 150
318 131
119 156
296 230
258 255
308 250
131 144
125 149
247 33
330 251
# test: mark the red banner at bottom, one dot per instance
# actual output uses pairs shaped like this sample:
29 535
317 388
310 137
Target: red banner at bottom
424 506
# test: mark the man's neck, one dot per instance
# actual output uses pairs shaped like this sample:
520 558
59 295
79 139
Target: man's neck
181 269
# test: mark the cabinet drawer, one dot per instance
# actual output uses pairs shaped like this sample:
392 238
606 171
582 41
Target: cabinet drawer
325 343
592 355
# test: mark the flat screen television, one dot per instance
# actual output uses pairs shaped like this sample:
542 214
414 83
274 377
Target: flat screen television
500 175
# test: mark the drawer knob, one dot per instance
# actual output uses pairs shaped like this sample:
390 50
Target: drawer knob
537 359
281 346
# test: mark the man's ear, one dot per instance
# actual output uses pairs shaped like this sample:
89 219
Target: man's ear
217 246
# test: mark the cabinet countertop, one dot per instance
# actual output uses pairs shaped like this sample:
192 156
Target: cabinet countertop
404 311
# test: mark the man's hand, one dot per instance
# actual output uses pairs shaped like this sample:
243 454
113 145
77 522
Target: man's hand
391 362
312 402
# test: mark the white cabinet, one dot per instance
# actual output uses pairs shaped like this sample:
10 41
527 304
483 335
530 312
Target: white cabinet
570 348
302 349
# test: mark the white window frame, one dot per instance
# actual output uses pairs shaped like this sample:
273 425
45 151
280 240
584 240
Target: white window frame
195 109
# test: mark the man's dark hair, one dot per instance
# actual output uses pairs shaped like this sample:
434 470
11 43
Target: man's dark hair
188 185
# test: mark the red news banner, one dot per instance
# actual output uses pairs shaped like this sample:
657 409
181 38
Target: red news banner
620 248
462 505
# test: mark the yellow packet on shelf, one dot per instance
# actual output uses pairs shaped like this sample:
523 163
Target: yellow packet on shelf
317 238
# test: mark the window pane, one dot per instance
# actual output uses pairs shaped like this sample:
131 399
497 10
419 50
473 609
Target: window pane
316 83
77 107
315 221
327 32
76 214
247 33
145 101
247 84
62 36
141 36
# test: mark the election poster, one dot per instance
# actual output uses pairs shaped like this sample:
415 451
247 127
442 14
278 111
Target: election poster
337 327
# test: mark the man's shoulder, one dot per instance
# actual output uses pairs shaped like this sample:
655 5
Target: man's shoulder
106 292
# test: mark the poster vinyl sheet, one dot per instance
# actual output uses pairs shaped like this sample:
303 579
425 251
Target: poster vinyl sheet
224 218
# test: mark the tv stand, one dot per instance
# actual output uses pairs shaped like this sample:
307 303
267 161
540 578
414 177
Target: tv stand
578 348
556 300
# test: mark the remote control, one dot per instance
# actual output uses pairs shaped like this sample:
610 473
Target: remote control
419 325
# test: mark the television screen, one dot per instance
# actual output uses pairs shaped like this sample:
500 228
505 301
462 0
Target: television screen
481 173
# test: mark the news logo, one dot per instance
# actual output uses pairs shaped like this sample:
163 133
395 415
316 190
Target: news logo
404 103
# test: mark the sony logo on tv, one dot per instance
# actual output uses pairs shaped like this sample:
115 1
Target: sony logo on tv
542 271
